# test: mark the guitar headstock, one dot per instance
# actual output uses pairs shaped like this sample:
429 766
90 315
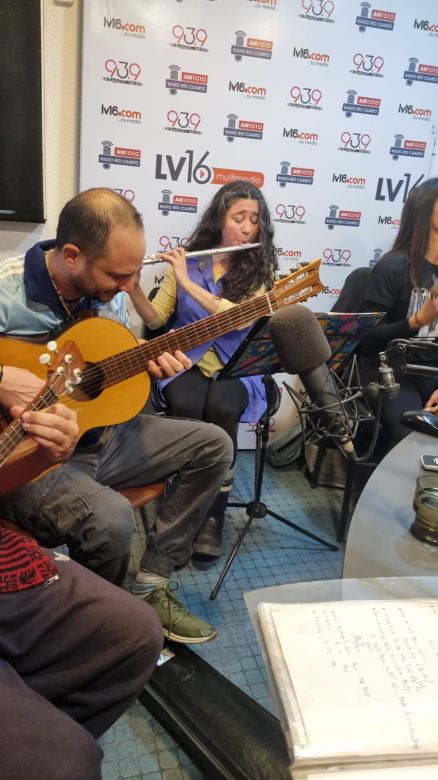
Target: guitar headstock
298 286
65 372
65 368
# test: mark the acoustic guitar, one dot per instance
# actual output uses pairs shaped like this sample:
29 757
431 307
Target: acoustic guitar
101 372
17 450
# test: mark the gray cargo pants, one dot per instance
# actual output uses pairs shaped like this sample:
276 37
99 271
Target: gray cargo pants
76 505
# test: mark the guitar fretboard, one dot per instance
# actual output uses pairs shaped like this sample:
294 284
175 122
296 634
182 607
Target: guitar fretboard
134 361
14 433
131 362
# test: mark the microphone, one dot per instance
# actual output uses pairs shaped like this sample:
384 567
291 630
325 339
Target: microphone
387 378
303 349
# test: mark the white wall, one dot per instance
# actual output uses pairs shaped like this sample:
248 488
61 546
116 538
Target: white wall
61 40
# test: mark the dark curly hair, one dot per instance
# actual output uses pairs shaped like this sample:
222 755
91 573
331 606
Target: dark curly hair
413 233
250 269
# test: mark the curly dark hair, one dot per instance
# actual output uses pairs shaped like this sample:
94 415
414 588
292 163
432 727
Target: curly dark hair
413 233
250 269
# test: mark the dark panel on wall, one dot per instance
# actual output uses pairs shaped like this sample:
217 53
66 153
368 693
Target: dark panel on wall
21 137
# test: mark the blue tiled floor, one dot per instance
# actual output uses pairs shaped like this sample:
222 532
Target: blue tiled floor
136 747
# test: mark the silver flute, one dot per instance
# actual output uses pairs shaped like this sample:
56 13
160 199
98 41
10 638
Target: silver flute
152 259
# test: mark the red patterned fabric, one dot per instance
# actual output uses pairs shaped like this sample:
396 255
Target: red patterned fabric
23 564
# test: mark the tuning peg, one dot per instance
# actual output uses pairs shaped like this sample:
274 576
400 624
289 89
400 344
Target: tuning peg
68 359
44 359
52 346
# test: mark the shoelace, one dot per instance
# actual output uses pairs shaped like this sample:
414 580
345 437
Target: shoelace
181 611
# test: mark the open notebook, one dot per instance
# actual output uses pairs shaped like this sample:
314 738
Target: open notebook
356 684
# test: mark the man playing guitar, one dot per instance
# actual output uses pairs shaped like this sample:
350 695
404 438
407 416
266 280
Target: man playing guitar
92 264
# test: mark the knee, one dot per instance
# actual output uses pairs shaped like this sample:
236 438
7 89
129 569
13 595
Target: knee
68 753
81 759
220 446
223 413
116 524
141 624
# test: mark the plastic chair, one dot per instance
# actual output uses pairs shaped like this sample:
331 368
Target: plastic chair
353 291
139 497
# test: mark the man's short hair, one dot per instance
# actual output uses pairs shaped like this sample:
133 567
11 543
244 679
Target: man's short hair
88 218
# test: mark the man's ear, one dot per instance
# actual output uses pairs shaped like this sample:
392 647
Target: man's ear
70 253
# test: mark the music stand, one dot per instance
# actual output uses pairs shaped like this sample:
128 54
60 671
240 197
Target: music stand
344 332
256 355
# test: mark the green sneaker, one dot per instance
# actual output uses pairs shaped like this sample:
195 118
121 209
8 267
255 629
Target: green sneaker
178 623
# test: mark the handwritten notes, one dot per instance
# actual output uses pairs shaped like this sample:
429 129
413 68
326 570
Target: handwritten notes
357 680
412 772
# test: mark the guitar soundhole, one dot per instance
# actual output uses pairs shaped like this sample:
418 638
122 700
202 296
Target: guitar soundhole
91 384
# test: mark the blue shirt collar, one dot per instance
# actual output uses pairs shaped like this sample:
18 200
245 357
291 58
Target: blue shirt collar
39 286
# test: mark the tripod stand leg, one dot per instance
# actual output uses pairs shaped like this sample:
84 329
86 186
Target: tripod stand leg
302 530
343 520
230 558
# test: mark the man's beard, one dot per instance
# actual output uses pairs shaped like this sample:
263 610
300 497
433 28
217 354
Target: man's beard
85 289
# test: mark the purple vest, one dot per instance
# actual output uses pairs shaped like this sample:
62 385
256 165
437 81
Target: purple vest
188 311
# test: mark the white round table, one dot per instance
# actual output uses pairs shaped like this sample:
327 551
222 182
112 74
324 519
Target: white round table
379 543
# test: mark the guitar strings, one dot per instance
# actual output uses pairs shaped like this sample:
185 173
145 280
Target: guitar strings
114 365
15 433
130 362
15 428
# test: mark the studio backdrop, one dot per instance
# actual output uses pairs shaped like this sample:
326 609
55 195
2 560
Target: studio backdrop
329 106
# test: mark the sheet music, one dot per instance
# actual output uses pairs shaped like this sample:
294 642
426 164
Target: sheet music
357 681
413 772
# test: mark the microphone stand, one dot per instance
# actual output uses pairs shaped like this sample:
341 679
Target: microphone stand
401 354
256 355
344 332
345 411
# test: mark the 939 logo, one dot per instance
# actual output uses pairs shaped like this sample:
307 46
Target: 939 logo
368 65
290 214
336 257
186 37
183 122
305 97
318 10
123 72
355 142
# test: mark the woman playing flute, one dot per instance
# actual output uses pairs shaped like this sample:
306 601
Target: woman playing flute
192 289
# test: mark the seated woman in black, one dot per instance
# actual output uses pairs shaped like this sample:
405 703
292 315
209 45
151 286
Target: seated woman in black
399 285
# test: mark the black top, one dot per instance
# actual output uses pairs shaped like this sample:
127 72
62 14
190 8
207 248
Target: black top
389 289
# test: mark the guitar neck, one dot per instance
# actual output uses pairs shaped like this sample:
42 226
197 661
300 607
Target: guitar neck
210 327
296 287
124 365
14 434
